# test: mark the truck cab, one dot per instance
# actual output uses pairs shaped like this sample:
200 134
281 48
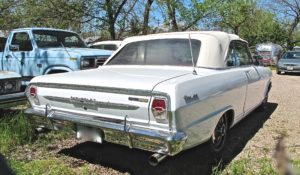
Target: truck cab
38 51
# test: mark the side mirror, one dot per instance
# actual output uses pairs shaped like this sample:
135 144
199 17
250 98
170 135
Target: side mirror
14 47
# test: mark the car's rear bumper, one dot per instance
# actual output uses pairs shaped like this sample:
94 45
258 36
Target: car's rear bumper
10 98
284 69
123 132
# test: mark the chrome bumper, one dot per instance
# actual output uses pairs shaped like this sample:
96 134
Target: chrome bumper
15 97
123 132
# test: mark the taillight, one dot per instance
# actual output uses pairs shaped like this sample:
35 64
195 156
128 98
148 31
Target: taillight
159 109
32 95
32 91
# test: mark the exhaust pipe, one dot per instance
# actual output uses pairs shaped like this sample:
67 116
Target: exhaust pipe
156 158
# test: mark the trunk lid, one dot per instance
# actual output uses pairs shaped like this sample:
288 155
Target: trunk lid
112 92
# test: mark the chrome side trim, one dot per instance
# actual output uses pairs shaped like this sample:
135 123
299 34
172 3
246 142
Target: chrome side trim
97 103
143 100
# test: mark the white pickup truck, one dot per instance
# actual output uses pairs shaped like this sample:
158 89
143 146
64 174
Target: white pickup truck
163 93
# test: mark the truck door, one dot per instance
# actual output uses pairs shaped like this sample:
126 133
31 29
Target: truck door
19 54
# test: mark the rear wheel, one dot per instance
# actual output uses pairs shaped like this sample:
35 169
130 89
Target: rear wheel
264 103
219 135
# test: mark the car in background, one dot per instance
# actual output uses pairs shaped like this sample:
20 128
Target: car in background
290 62
106 45
296 48
269 52
10 88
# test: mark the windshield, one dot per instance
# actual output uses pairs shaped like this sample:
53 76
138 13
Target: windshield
174 52
48 38
292 55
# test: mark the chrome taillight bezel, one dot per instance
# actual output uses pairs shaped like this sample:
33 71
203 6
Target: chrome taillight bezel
161 115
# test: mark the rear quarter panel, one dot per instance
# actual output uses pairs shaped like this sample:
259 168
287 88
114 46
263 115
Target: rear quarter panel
198 101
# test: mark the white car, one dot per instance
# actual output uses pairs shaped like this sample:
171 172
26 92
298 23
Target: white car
10 88
162 93
106 45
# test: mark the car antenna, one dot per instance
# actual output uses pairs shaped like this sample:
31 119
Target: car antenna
65 49
191 50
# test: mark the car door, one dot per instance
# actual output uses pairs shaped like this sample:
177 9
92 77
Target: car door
19 54
245 62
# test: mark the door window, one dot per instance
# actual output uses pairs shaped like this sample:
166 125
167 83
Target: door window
22 40
238 54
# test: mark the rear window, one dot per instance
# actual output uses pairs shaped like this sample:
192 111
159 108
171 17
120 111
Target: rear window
174 52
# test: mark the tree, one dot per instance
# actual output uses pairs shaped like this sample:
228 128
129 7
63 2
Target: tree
233 14
9 18
263 27
146 16
291 11
185 15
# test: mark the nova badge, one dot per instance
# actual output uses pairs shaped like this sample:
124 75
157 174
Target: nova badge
81 100
190 99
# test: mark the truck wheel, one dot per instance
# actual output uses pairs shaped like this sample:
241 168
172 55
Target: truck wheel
219 135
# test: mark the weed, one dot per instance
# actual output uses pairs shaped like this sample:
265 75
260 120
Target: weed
52 165
14 130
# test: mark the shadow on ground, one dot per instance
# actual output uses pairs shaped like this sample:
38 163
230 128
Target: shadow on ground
193 161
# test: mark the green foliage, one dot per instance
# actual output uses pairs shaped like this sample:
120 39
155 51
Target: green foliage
14 130
262 28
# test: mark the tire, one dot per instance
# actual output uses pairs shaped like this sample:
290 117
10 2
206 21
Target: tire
218 138
278 71
264 103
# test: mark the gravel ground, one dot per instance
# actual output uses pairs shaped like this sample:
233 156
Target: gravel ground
284 120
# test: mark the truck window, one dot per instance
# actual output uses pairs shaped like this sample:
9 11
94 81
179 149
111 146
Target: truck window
49 38
2 43
22 39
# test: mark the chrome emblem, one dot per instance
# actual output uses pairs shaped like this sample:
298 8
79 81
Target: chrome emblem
81 100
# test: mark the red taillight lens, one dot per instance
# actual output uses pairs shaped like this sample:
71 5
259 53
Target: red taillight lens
159 109
159 105
32 91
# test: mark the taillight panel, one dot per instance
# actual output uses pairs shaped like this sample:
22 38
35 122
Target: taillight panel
32 95
159 108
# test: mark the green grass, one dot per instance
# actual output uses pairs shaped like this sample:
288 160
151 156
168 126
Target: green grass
14 130
49 166
262 166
